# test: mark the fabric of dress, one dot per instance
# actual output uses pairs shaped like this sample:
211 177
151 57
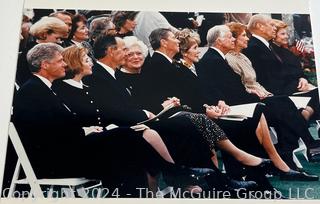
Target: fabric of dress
242 66
207 128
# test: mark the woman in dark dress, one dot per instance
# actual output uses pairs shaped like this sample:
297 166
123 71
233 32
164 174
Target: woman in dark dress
189 53
296 80
129 75
72 91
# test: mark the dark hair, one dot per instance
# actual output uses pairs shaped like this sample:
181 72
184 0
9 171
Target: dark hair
157 35
102 44
120 17
76 18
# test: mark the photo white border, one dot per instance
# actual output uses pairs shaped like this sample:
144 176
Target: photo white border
11 18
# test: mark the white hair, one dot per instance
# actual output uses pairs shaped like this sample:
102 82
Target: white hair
131 41
216 32
255 19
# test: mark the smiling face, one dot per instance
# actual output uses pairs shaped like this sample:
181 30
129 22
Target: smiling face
192 54
134 58
281 37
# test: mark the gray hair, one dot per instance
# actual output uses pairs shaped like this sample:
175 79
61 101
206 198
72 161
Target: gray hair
216 32
131 41
157 35
255 19
99 26
40 53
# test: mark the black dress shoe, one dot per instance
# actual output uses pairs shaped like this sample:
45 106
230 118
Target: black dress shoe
313 154
236 185
265 166
292 175
182 176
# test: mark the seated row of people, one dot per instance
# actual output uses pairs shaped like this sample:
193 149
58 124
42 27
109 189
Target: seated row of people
188 138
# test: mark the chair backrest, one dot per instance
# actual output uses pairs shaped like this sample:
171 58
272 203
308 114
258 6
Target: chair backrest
25 163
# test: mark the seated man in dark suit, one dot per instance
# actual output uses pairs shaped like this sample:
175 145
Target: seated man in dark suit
271 70
183 140
215 73
59 147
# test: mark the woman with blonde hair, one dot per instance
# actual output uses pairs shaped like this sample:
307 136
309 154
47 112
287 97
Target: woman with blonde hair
49 29
296 127
296 80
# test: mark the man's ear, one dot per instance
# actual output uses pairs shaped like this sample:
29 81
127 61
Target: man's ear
44 65
109 51
163 43
259 26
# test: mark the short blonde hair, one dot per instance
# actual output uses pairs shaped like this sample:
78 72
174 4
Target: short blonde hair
73 56
47 25
187 38
279 24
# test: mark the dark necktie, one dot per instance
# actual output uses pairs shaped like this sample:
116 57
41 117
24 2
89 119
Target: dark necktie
274 53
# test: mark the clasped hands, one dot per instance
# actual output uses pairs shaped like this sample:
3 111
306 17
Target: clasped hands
217 111
171 102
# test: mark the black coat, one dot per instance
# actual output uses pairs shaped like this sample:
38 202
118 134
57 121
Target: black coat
160 80
178 133
83 103
218 79
270 71
113 98
47 129
56 146
293 70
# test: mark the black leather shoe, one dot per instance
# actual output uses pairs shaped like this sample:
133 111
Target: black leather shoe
265 166
184 176
234 184
298 176
313 155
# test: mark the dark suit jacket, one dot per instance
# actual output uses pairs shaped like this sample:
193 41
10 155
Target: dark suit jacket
47 129
114 98
270 71
160 80
218 78
293 70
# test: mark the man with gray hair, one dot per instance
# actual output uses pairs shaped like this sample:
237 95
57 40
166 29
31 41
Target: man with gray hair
57 145
272 73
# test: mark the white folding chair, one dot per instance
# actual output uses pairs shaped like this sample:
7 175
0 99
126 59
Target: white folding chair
302 148
71 185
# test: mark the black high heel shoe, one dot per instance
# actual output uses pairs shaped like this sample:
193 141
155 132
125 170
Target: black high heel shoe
266 166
